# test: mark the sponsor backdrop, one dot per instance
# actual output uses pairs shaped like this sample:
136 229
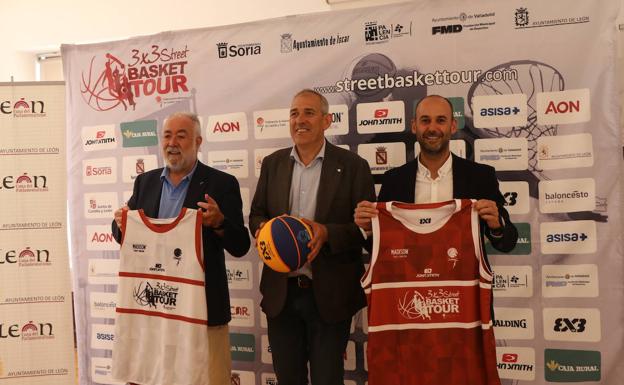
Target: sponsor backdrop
36 328
544 115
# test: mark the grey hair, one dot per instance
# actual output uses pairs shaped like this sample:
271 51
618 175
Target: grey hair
324 102
190 116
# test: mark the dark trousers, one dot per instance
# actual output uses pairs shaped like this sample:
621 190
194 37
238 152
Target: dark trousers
298 335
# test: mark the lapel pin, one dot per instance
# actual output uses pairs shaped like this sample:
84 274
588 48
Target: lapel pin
339 169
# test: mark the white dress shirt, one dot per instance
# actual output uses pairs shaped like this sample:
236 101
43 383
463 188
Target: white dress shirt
440 189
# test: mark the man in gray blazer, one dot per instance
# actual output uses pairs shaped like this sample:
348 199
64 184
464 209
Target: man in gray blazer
309 310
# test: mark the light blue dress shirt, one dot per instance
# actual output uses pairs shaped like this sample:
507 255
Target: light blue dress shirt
304 188
172 197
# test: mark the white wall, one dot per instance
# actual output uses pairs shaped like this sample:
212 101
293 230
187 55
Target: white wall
37 26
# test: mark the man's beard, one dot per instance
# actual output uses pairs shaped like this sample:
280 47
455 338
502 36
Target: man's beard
429 149
183 162
177 167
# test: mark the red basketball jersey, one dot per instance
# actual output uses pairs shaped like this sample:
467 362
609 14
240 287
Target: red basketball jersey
429 295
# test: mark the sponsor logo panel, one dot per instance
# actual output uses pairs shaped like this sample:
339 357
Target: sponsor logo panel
136 165
565 151
103 304
515 363
563 107
340 120
570 281
512 281
572 365
259 155
376 32
227 127
33 330
457 147
239 275
382 157
569 237
567 195
99 171
523 246
242 311
516 196
242 377
272 124
491 111
572 324
529 19
266 356
462 22
101 370
234 162
121 80
227 50
103 271
99 237
25 256
458 111
102 336
504 154
380 117
446 29
511 323
100 205
142 133
243 347
23 108
101 137
288 43
26 183
268 379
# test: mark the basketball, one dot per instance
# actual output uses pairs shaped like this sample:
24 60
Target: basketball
283 243
372 66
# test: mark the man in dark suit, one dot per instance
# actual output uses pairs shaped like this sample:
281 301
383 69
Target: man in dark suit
438 175
186 182
309 311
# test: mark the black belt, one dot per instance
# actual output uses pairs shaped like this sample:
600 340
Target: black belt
302 281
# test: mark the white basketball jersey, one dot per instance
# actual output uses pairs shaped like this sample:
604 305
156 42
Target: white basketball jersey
161 317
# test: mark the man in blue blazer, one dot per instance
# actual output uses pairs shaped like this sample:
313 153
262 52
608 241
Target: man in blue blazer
186 182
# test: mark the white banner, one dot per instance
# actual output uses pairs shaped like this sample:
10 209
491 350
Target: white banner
36 326
520 74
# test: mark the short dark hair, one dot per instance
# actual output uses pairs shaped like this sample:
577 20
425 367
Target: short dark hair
436 96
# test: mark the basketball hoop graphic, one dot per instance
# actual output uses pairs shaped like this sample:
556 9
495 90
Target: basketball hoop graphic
110 89
413 306
533 77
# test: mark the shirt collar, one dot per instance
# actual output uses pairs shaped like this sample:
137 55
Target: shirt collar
164 175
294 155
446 168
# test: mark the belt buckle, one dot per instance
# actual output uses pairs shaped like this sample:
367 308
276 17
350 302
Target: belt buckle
303 281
